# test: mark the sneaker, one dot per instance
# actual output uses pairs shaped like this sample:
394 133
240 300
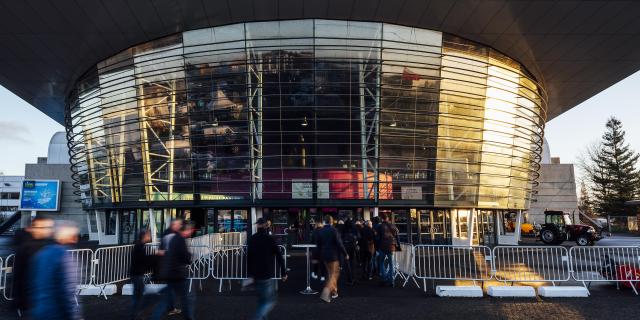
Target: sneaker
174 312
314 275
334 296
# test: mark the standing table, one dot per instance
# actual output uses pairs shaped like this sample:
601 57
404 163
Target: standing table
308 290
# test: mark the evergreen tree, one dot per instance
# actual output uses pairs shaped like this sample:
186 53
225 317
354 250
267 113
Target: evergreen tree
585 204
612 170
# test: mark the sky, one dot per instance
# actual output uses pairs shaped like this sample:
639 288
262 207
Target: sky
25 131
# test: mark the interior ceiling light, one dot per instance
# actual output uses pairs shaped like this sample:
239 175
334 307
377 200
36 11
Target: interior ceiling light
304 122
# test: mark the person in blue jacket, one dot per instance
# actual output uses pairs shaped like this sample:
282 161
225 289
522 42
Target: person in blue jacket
54 282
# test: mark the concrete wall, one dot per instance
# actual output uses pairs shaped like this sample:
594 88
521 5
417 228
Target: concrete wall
557 191
70 209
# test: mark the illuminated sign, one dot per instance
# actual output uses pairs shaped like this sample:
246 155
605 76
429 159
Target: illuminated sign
40 195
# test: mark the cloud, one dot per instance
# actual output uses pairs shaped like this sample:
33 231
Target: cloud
14 132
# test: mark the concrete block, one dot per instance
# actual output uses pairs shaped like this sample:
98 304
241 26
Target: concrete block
563 292
459 291
109 290
154 288
512 291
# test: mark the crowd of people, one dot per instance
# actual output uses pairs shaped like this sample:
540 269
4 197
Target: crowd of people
45 283
347 244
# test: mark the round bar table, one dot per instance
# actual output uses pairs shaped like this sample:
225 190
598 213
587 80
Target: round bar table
308 290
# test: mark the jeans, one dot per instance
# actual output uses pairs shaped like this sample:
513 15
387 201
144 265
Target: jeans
138 301
266 290
181 289
386 274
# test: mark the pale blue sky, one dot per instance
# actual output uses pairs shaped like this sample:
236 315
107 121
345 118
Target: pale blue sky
25 131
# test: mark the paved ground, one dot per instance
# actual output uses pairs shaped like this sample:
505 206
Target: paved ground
368 301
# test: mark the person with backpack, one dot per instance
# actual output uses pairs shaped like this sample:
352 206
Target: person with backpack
388 243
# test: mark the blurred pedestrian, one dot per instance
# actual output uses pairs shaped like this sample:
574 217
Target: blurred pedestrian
174 270
367 249
28 243
261 252
388 243
375 223
349 236
141 263
316 260
174 228
54 284
331 251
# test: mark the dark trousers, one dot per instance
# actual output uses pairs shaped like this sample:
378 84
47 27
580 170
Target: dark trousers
138 301
266 290
347 265
178 288
365 262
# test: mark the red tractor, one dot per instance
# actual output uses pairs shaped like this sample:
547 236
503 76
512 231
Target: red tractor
558 228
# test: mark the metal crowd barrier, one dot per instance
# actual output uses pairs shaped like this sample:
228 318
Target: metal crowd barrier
444 262
2 286
230 263
7 277
619 264
83 262
405 264
111 265
531 264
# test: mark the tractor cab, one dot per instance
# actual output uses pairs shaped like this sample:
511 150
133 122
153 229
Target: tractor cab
559 227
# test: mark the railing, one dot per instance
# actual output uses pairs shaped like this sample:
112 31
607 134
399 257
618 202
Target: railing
230 263
531 264
442 262
7 281
606 264
111 265
405 264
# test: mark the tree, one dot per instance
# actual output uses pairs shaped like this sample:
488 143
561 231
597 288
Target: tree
585 204
611 170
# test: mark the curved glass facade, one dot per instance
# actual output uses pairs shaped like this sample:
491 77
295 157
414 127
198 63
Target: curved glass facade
307 112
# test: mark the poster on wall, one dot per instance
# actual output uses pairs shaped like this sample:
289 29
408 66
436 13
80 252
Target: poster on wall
301 189
40 195
411 193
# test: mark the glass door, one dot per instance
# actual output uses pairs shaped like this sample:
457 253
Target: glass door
460 226
128 227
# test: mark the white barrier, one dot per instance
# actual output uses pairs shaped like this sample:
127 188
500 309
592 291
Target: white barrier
83 262
442 262
230 263
531 264
620 264
405 264
2 286
111 265
7 281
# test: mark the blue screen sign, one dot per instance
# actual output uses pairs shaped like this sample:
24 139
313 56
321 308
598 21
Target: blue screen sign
40 195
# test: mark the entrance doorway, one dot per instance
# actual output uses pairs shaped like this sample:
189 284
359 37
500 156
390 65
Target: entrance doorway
432 226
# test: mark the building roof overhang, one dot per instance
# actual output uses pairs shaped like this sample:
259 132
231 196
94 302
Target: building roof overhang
575 48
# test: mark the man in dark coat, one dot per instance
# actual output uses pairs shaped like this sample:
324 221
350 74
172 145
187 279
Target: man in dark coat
28 242
367 249
174 271
388 243
331 249
261 252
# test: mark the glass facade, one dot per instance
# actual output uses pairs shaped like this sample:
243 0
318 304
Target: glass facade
309 112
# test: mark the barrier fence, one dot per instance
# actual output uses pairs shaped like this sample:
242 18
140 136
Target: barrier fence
606 264
230 263
531 264
555 264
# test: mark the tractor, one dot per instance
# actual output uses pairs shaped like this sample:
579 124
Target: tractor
558 228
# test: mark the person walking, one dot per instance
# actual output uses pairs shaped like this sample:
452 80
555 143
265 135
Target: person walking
261 252
318 266
349 236
174 228
141 263
367 249
388 243
52 291
173 270
331 251
28 243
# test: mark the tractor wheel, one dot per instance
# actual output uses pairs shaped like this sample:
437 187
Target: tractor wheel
548 236
582 240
